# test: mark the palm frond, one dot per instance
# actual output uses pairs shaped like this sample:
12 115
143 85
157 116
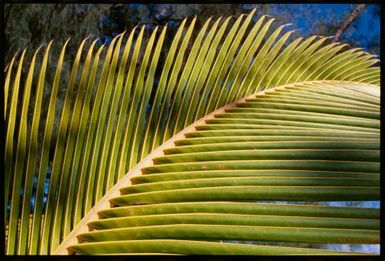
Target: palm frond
115 114
195 188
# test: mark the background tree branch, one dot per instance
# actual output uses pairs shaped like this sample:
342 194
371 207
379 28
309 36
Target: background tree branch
346 23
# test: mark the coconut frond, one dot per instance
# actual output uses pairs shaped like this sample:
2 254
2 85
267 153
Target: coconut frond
316 138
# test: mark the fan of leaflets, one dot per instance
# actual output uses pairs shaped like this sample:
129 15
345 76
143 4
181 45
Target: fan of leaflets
207 156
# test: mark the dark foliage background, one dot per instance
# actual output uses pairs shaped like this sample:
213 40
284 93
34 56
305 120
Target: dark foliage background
29 25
